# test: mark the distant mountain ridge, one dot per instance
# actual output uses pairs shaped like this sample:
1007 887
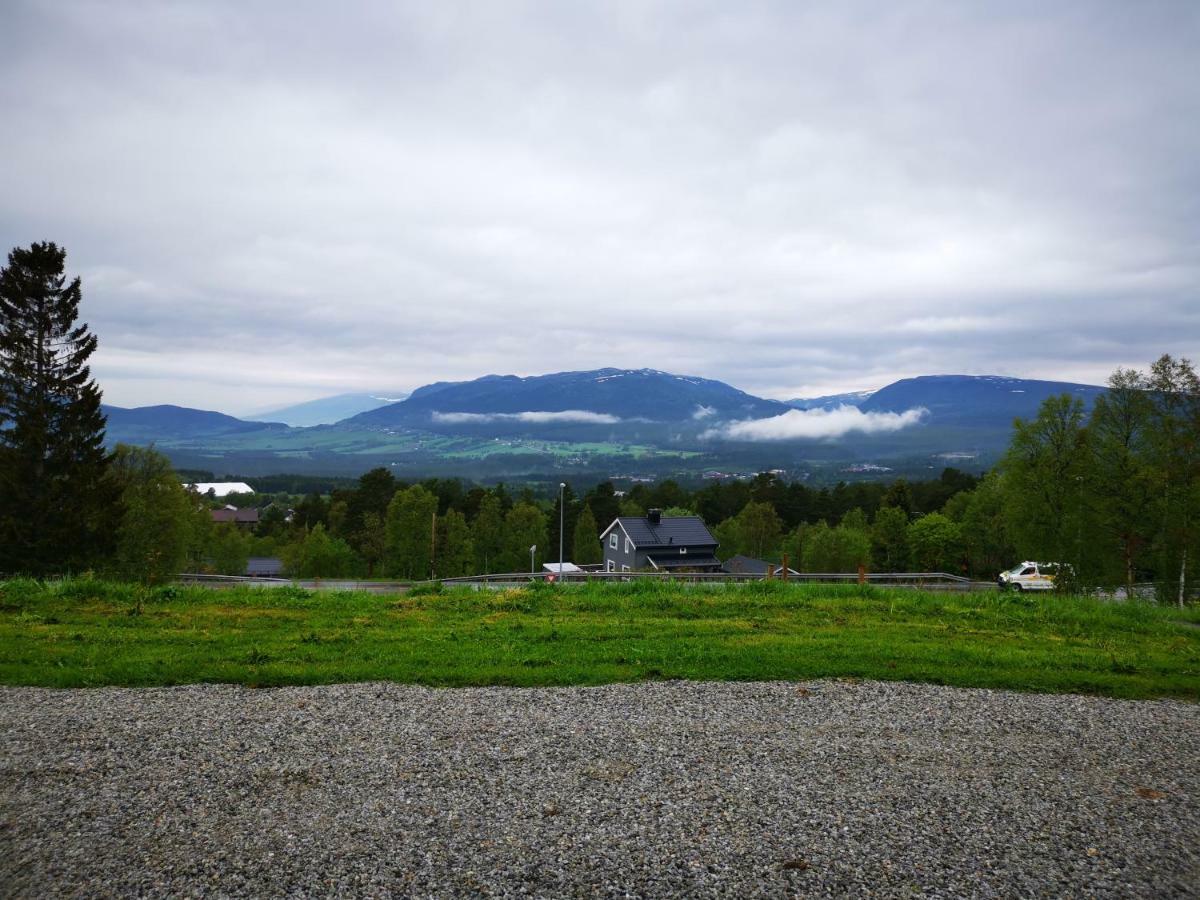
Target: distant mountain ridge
830 401
634 420
974 399
647 395
177 421
327 410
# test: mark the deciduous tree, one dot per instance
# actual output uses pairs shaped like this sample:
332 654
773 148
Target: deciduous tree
229 549
1175 451
524 526
409 526
936 544
758 530
455 549
1121 479
1044 470
487 532
317 555
158 516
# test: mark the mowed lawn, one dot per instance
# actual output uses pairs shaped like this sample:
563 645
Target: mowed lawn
89 633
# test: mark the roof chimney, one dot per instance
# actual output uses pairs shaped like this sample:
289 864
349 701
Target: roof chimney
654 515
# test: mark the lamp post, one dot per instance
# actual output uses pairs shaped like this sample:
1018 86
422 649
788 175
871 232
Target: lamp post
532 550
562 505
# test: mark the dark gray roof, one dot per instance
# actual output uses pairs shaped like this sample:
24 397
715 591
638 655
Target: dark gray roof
745 565
686 561
264 565
671 531
748 565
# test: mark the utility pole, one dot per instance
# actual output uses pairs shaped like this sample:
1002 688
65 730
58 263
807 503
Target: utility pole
562 498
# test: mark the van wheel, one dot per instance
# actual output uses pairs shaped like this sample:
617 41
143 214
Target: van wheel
1017 588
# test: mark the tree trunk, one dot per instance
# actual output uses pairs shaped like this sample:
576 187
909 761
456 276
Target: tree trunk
1128 571
1182 575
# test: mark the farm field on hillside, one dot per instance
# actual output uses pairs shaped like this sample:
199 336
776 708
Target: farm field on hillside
87 633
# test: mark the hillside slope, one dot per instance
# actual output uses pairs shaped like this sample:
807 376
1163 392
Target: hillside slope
988 400
610 395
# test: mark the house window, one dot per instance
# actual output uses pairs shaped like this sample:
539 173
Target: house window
612 540
624 568
628 545
610 566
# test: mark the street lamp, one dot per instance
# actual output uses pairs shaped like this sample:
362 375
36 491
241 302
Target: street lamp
562 488
532 550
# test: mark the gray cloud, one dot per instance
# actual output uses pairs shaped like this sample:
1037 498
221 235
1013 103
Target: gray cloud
273 201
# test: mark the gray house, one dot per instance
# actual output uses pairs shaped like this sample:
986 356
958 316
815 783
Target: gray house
658 543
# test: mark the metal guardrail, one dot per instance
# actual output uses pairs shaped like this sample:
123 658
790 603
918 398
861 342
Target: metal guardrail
311 584
928 581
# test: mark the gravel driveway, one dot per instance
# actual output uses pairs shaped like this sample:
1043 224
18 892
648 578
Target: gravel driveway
664 789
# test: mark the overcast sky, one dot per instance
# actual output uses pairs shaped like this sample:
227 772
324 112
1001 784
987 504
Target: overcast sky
276 201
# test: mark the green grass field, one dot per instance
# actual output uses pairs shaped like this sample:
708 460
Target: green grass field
88 633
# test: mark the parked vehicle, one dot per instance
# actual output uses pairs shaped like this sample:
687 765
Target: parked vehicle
1031 576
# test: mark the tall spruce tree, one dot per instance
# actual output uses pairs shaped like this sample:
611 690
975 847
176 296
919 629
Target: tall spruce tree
57 509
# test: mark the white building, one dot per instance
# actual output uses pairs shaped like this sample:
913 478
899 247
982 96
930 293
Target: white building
220 488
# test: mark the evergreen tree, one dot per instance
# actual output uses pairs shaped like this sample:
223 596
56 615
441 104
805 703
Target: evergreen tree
793 545
374 492
899 495
604 502
58 511
371 541
890 539
587 539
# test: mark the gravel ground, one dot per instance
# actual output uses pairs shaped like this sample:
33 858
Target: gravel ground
664 789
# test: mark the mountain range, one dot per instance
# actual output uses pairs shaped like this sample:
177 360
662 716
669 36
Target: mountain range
606 421
328 410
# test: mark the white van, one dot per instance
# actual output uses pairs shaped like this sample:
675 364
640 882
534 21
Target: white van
1030 576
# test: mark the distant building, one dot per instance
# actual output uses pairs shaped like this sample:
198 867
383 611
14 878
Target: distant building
658 543
264 567
244 518
748 565
220 488
568 568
